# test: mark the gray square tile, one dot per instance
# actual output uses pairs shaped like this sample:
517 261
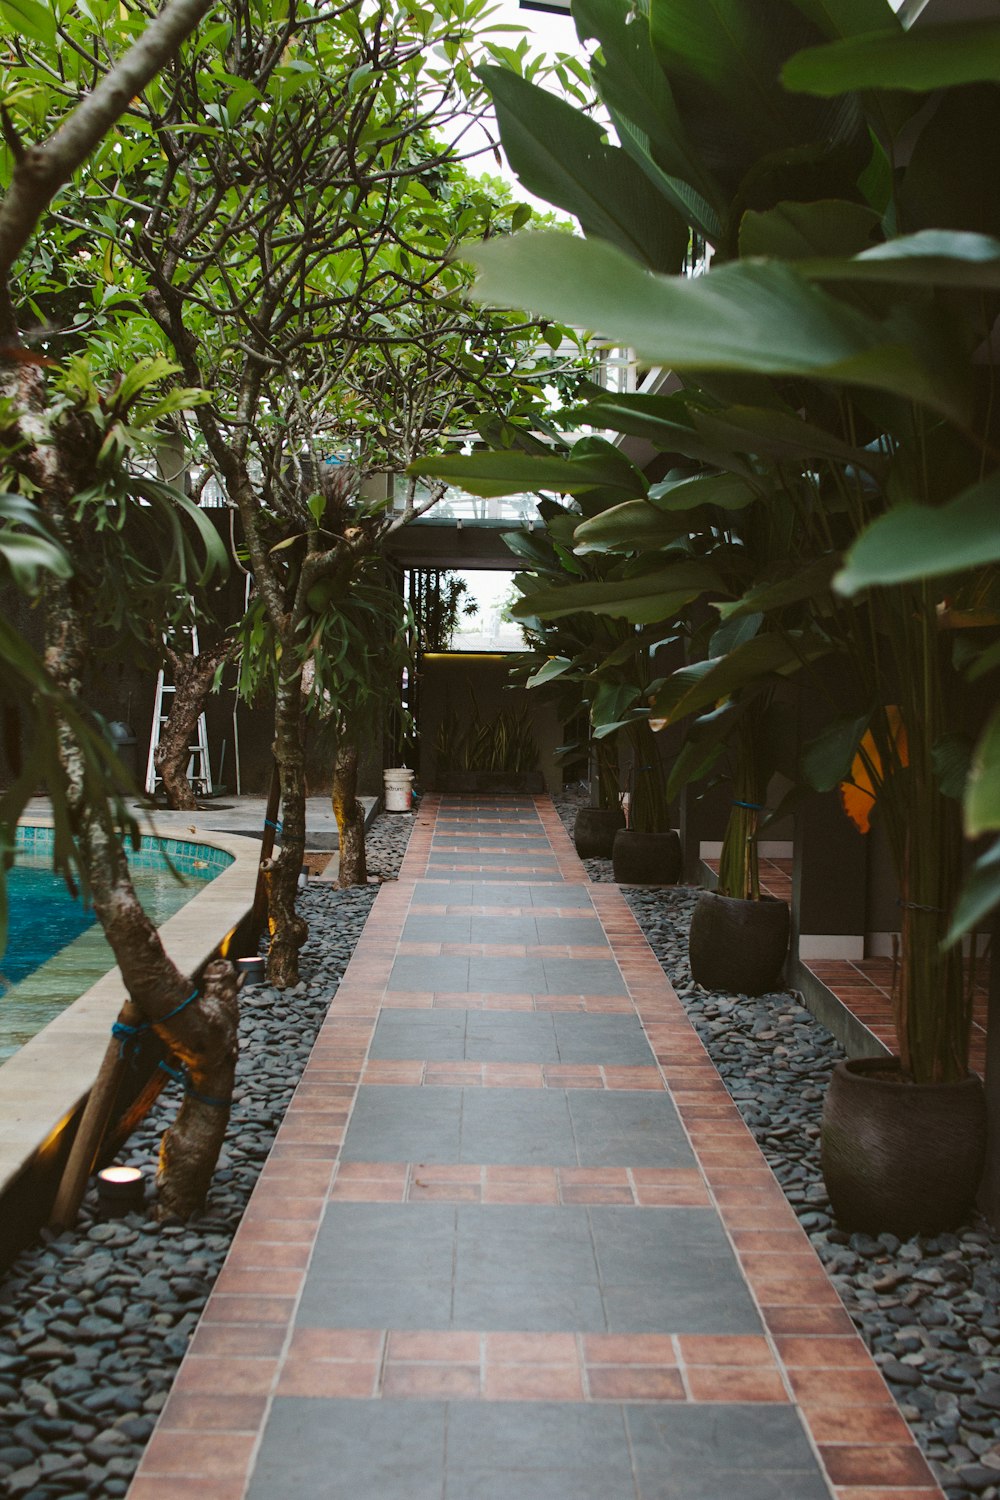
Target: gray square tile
327 1303
503 930
514 1037
437 1035
404 1124
450 972
616 1041
351 1450
514 1245
443 893
627 1130
578 931
385 1242
433 929
517 1127
527 1309
566 895
673 1271
583 976
704 1452
506 976
537 1451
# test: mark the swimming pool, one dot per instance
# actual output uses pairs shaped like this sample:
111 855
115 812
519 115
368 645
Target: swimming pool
55 948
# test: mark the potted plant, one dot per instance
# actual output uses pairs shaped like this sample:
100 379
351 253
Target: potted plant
856 315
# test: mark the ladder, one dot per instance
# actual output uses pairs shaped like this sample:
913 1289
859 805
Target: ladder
199 770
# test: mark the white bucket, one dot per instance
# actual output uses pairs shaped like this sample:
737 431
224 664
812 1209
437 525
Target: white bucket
398 789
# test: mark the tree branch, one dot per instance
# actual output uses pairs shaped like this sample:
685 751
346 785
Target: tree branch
43 169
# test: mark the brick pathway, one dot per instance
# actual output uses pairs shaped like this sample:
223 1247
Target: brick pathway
514 1241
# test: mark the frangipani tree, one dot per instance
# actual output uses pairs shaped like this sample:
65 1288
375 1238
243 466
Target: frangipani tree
65 439
288 239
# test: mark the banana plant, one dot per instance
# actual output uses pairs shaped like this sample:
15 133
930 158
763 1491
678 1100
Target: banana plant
836 354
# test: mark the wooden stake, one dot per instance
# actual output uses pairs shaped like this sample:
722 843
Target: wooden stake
91 1129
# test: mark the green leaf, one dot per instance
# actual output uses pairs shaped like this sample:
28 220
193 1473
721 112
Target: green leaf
642 109
706 740
924 541
923 58
27 556
561 155
951 756
978 897
931 257
755 317
35 21
556 666
804 581
827 760
695 688
794 231
982 796
642 601
511 473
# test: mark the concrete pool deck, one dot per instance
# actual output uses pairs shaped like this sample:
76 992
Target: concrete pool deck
514 1239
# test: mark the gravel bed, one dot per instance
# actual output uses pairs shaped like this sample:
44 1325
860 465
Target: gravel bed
928 1309
95 1321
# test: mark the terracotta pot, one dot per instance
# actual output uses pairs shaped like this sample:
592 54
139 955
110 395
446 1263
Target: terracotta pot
647 858
901 1157
594 831
738 945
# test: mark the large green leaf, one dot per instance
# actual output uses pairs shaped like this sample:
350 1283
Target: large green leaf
827 760
923 58
982 794
706 739
562 155
695 688
923 541
754 317
638 96
511 473
978 896
664 421
645 600
844 18
636 525
794 231
800 582
931 257
723 61
778 434
35 21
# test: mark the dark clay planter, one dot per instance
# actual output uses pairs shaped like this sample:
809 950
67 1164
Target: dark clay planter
594 831
898 1157
646 858
738 945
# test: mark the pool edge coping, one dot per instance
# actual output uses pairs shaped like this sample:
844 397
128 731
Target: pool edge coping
46 1080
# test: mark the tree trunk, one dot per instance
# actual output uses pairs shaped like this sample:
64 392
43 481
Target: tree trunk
350 816
202 1032
193 677
288 930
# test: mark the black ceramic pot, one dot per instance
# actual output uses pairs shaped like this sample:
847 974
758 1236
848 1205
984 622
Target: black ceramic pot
646 858
594 831
902 1158
738 945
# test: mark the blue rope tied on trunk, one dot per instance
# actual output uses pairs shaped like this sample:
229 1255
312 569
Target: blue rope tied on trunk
183 1077
129 1036
753 806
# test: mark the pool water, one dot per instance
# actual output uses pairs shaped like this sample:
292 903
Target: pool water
55 947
